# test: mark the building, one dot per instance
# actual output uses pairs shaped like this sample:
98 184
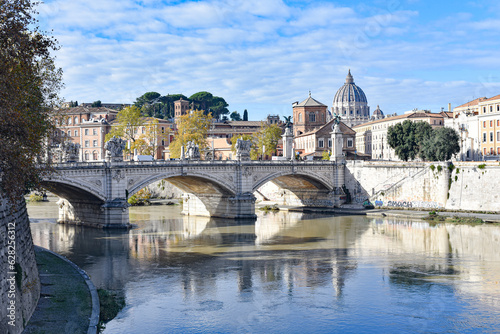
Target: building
312 144
489 125
371 137
88 128
181 107
308 115
465 121
351 104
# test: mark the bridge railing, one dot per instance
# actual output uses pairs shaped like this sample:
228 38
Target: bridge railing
101 164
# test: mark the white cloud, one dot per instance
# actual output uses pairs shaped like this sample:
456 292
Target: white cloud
264 52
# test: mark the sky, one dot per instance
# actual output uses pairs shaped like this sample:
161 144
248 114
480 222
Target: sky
263 55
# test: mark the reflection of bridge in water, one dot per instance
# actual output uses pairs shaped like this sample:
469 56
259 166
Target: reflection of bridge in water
96 194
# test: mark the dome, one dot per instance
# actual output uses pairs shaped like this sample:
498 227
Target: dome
377 112
349 92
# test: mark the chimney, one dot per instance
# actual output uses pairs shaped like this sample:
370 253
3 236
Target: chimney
449 107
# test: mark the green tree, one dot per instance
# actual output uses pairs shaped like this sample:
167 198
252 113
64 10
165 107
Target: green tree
423 131
152 136
267 138
218 108
403 139
325 155
191 127
129 120
245 115
201 100
96 104
146 98
235 116
253 151
29 84
441 145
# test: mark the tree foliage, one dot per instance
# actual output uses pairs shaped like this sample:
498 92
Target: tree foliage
267 138
191 127
235 116
96 104
152 136
411 139
29 84
128 121
245 115
442 145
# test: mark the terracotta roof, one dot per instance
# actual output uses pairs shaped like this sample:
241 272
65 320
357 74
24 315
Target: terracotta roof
344 128
472 103
245 123
310 102
491 98
413 115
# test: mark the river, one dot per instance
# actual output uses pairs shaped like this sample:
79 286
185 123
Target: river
286 273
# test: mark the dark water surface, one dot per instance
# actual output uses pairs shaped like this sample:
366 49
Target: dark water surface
287 273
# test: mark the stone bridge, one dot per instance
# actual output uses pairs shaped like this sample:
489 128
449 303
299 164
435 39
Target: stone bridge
96 194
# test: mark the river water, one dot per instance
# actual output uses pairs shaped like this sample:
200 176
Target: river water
287 272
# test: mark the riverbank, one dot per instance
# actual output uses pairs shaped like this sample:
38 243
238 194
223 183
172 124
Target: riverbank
352 209
68 299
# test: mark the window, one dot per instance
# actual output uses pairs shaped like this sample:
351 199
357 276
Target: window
484 109
312 117
162 142
498 135
162 129
484 137
86 156
76 120
69 121
491 108
321 143
86 132
94 143
484 124
76 133
143 129
87 145
94 132
94 155
300 118
491 136
349 142
329 142
62 133
491 124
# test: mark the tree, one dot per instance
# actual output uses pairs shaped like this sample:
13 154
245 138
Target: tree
128 122
218 107
403 139
96 104
201 100
267 138
325 155
235 116
145 98
153 136
29 84
191 127
441 145
234 139
245 115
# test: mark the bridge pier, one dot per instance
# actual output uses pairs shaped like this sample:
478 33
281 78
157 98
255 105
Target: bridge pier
112 214
241 206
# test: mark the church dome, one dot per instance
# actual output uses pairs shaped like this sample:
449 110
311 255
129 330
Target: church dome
349 92
378 113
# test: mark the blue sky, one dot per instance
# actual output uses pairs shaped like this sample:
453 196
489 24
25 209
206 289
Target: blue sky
263 55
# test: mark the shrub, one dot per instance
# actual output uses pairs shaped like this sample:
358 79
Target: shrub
439 168
481 166
432 167
35 198
140 198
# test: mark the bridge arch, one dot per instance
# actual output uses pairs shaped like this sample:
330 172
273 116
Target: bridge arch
299 189
74 191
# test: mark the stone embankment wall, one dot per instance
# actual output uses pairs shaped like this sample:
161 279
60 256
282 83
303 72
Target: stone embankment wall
18 293
426 185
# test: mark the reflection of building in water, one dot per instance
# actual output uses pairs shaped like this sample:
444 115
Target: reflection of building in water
448 250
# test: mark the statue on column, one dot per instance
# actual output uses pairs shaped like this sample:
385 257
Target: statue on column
193 151
243 148
114 149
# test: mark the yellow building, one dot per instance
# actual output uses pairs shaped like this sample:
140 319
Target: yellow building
489 125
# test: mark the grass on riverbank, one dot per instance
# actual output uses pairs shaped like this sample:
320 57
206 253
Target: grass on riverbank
435 218
268 208
111 304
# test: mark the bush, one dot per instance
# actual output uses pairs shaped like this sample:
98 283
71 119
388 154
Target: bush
111 304
142 197
35 198
481 166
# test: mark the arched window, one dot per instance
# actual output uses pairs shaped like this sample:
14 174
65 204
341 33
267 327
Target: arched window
94 155
312 117
69 121
300 118
76 120
86 156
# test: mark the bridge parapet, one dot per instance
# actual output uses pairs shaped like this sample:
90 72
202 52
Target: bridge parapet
222 188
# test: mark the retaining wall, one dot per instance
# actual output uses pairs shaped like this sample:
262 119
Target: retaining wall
19 292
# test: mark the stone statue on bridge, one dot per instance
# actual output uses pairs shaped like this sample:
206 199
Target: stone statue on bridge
243 148
114 149
193 150
69 151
